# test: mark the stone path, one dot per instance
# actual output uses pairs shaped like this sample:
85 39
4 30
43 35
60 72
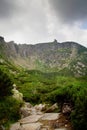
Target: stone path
31 126
30 119
39 120
50 116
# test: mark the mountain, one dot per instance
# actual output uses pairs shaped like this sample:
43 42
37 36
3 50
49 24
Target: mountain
64 58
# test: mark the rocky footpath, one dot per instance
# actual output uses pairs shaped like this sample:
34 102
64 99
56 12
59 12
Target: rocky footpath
41 117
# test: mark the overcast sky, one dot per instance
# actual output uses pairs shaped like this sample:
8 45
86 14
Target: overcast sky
34 21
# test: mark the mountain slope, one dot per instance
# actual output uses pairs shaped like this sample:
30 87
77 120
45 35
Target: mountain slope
66 57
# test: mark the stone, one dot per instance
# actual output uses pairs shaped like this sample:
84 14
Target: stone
17 95
24 111
38 120
66 125
44 128
33 111
30 119
40 107
27 104
31 126
50 116
60 129
52 108
66 109
15 126
28 110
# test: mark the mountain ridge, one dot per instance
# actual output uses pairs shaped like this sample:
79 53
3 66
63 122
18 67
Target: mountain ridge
48 57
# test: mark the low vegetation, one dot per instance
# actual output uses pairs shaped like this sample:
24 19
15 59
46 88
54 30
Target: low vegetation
9 107
40 87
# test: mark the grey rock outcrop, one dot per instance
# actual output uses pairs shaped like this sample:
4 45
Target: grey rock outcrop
47 56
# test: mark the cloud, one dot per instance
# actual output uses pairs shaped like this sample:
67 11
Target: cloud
70 11
43 20
23 21
7 8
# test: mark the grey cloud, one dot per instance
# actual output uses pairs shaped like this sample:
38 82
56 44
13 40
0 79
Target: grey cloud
10 8
70 10
21 20
32 21
6 8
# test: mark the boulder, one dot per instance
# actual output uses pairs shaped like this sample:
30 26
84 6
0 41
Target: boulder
25 111
16 94
15 126
30 119
31 126
27 104
52 108
50 116
40 107
66 109
61 129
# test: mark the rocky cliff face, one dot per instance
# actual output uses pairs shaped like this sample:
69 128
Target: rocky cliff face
53 56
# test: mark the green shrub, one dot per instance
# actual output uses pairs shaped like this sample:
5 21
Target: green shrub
9 107
5 84
9 110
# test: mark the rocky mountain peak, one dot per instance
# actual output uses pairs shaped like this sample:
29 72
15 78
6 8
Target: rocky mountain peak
55 41
2 39
48 57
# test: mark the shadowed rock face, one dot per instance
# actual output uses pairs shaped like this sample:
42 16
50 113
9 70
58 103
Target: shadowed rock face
1 39
52 56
